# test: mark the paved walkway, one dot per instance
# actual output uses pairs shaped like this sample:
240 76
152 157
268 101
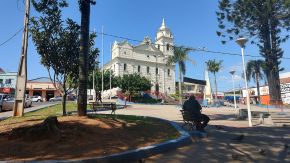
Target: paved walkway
261 143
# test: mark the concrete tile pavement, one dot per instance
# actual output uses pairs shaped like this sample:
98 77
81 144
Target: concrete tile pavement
219 146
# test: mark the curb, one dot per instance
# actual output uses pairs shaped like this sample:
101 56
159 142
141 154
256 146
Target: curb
132 155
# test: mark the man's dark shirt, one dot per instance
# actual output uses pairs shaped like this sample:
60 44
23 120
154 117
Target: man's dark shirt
193 107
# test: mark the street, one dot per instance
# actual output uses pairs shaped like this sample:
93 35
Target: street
35 106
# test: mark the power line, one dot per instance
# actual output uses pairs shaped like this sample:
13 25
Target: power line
11 37
191 48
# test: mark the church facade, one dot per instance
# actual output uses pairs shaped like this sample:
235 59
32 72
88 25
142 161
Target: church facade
148 59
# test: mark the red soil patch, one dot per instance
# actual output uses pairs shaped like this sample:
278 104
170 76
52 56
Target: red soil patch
79 137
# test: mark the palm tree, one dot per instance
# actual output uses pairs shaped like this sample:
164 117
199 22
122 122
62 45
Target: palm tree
214 66
179 57
254 70
83 57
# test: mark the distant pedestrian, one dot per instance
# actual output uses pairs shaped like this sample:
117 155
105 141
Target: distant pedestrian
99 97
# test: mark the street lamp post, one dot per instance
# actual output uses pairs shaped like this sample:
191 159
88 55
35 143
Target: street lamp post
233 72
242 41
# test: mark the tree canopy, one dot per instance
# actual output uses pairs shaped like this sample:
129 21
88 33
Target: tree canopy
134 83
57 42
262 21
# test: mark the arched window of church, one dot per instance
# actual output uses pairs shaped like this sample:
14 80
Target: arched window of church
139 68
156 70
167 47
158 46
148 69
168 72
125 67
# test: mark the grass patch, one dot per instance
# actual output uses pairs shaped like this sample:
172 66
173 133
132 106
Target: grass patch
55 110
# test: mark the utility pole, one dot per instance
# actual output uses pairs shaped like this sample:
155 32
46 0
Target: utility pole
18 108
102 62
111 74
94 95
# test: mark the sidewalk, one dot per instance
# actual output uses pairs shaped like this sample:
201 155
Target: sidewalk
219 146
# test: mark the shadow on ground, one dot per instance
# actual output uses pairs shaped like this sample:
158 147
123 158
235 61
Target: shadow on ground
260 144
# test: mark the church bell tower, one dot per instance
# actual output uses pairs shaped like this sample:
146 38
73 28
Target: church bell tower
164 39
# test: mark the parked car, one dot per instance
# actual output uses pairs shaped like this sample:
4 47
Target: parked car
7 102
28 102
36 99
57 98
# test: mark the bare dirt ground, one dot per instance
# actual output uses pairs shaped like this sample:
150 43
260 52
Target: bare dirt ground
79 138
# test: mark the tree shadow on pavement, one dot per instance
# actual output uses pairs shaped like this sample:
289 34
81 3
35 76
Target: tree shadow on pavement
259 144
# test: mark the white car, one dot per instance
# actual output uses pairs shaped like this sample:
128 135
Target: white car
7 102
54 99
36 99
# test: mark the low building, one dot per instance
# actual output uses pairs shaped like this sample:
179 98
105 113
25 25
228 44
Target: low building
264 90
41 87
192 87
7 81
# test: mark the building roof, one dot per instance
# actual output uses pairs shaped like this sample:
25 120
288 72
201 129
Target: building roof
194 81
40 80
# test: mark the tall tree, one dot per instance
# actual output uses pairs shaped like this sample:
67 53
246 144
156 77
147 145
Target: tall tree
214 66
179 57
83 57
133 83
254 70
262 19
54 42
57 42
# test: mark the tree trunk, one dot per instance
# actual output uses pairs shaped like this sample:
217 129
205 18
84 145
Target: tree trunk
274 87
64 96
258 87
215 87
270 54
64 103
83 58
179 86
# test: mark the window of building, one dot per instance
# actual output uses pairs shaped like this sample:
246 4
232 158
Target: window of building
139 68
158 46
156 71
8 81
1 81
167 47
148 56
168 72
190 88
148 70
125 67
125 52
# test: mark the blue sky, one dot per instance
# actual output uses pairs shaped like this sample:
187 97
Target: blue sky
193 23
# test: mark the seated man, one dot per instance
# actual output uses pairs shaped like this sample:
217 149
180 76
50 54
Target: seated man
193 107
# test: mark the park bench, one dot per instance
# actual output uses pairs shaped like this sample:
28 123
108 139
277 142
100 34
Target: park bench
188 120
96 106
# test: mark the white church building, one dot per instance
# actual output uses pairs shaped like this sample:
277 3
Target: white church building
148 59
